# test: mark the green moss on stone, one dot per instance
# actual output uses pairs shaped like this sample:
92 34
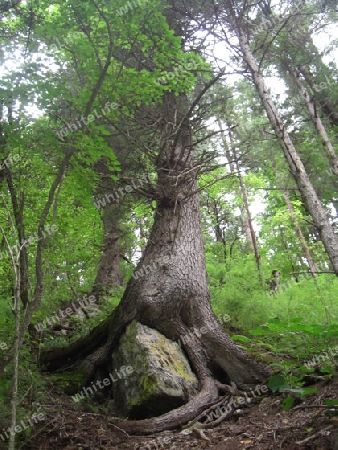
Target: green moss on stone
146 390
177 366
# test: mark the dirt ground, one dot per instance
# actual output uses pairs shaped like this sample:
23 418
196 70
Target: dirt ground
261 425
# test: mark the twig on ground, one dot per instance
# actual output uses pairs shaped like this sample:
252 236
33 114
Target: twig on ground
309 406
119 429
310 438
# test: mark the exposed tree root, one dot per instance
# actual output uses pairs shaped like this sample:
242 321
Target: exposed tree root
219 364
174 418
66 357
235 362
90 351
231 390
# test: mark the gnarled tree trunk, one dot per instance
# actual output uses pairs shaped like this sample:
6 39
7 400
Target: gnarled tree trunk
173 297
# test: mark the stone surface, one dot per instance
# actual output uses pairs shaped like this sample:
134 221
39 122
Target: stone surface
161 379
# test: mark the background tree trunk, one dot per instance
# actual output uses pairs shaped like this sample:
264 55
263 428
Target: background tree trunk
246 213
246 217
317 122
108 271
327 106
299 233
297 169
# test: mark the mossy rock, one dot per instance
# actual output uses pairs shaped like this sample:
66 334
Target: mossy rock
161 377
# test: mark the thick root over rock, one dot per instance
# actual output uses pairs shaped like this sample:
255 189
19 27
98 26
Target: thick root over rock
175 418
217 362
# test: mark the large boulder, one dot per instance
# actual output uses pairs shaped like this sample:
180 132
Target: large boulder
161 378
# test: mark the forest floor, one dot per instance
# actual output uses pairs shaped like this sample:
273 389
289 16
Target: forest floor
261 425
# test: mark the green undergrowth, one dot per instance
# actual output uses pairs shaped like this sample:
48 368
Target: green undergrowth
83 327
286 330
33 393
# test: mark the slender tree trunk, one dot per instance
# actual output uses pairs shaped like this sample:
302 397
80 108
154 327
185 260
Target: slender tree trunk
249 227
18 208
246 217
246 228
318 124
297 169
327 106
299 232
15 258
285 243
16 348
219 234
214 213
300 235
34 304
143 233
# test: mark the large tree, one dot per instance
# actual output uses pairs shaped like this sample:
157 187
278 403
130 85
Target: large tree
174 297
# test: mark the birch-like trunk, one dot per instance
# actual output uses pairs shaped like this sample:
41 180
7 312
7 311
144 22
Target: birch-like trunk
300 235
297 169
317 122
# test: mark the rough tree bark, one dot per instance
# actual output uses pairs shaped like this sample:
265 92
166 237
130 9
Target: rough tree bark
174 296
108 271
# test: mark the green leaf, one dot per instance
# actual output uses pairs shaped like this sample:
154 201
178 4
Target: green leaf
299 391
288 403
240 338
308 391
259 332
331 402
296 320
276 382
